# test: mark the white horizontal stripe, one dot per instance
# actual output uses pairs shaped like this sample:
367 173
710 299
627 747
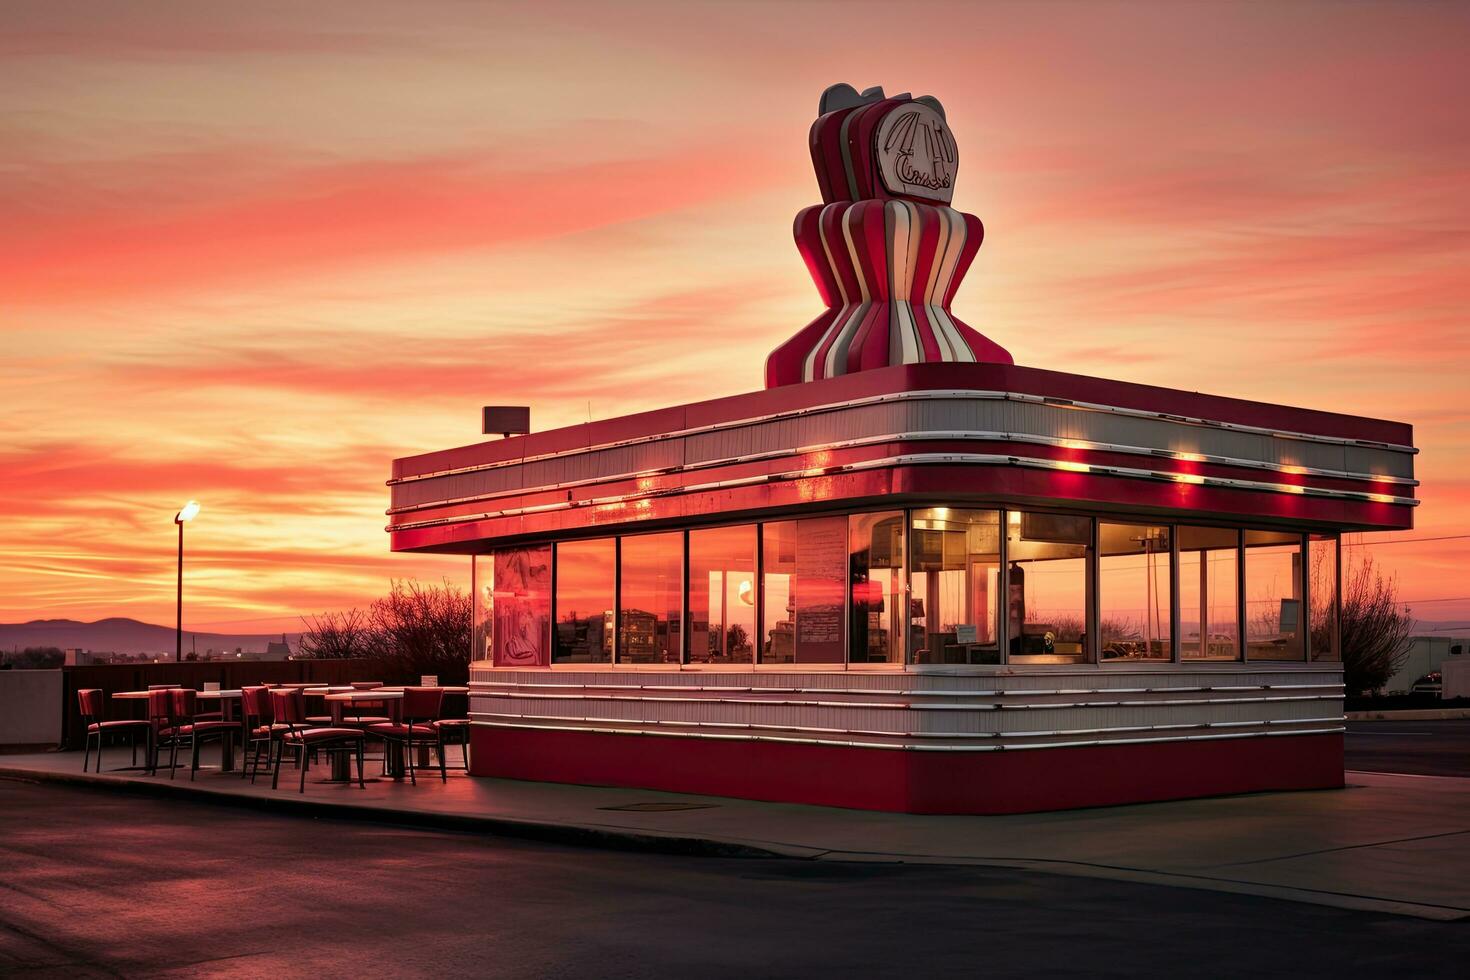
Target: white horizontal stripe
926 395
846 743
877 733
482 686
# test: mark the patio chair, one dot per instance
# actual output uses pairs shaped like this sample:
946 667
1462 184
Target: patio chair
419 710
289 708
260 728
461 728
194 727
90 703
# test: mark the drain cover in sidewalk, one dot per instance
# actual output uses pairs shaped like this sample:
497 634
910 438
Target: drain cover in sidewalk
660 807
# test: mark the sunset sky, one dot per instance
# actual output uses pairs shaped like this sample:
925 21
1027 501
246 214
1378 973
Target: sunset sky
249 253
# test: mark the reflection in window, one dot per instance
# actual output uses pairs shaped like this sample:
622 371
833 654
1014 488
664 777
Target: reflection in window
1208 613
1134 600
722 595
805 577
1047 602
482 586
954 567
1322 593
1273 605
521 603
652 591
585 576
875 564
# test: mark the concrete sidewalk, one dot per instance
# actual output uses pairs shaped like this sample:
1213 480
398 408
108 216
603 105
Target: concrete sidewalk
1389 843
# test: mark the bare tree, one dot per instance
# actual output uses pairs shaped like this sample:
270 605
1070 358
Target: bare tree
339 636
1375 629
424 629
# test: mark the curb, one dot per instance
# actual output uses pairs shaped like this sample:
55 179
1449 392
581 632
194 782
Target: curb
546 832
1409 714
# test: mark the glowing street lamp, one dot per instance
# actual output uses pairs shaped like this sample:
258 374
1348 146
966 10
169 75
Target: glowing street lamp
188 513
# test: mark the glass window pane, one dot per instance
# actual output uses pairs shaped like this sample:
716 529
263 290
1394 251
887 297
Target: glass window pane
722 595
482 581
1048 556
652 582
585 575
954 568
875 565
1208 613
805 578
1322 590
1273 613
1134 601
522 606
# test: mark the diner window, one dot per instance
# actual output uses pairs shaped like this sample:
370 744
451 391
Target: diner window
1134 599
875 568
722 595
954 568
586 575
804 577
1048 558
650 621
1209 613
1273 599
482 585
1322 558
521 604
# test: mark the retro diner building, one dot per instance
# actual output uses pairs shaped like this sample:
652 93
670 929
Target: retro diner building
909 575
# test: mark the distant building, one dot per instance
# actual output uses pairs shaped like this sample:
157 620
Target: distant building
277 651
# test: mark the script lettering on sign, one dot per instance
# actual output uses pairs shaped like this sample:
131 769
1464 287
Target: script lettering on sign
917 156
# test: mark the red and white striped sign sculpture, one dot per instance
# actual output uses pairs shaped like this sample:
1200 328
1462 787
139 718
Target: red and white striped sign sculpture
885 249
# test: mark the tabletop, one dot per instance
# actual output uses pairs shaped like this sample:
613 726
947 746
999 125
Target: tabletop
203 695
378 693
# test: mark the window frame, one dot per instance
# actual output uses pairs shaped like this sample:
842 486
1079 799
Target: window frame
1092 597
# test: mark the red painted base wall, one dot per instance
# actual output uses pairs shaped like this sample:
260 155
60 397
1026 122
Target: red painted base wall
1021 781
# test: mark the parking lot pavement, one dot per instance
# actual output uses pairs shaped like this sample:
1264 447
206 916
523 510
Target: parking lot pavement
1421 748
98 883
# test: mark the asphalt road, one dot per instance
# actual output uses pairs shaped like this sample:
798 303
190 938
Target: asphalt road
1421 748
96 883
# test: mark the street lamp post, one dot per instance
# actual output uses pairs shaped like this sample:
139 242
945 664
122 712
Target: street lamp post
183 517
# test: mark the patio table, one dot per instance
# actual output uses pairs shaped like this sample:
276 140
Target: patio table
227 698
388 696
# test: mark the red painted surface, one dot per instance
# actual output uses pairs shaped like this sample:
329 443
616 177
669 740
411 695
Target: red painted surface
912 377
849 249
1016 781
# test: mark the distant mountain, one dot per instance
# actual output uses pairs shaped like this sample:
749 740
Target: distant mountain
120 635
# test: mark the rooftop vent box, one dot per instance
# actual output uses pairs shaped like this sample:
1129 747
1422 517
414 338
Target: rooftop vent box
507 420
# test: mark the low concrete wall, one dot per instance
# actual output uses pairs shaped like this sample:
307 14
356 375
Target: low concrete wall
30 707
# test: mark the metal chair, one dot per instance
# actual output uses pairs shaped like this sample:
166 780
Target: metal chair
90 703
260 730
462 726
419 710
289 708
194 727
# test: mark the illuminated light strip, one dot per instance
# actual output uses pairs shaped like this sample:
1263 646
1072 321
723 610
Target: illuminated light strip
1059 733
482 687
913 748
954 435
897 396
903 706
913 459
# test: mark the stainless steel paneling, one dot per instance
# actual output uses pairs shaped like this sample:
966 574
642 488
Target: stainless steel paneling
977 712
981 416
